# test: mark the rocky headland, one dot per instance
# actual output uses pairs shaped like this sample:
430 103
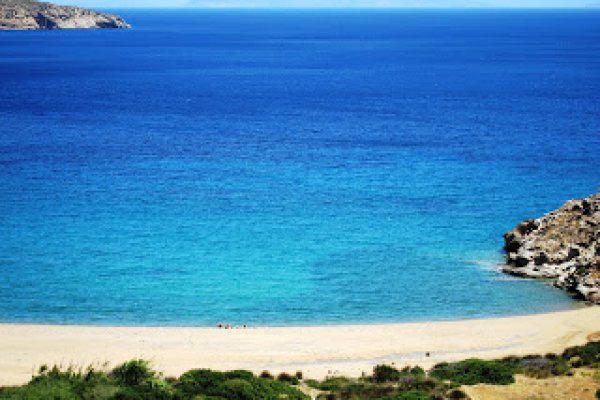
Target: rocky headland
31 14
563 245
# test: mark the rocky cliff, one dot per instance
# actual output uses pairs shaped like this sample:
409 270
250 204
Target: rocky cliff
31 14
563 245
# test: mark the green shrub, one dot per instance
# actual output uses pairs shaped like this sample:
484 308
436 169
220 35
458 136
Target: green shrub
313 383
266 375
60 390
234 385
100 391
411 383
268 389
366 390
474 371
154 389
598 394
418 371
199 381
239 374
589 354
423 383
139 393
236 389
414 395
335 383
385 373
285 377
67 384
133 373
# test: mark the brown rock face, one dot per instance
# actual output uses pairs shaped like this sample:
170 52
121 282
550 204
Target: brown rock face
563 245
30 14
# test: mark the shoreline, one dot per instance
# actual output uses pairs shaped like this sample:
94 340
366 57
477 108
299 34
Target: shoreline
318 351
575 305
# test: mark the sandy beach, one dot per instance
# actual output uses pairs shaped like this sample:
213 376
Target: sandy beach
317 351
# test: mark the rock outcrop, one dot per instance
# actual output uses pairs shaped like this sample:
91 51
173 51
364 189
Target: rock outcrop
31 14
563 245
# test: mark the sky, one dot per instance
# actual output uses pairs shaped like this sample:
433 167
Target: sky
332 3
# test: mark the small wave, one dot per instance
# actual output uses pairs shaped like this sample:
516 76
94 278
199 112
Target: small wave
510 278
487 265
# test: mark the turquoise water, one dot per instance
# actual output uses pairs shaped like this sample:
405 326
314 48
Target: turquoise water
285 168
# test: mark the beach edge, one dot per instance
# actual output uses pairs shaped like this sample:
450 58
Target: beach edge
318 351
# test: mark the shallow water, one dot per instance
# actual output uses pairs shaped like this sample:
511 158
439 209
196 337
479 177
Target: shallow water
289 167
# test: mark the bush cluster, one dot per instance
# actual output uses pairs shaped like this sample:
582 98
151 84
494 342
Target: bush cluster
588 354
474 371
386 383
135 380
285 377
540 367
501 372
235 385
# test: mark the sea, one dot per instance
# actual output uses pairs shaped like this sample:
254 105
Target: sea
289 167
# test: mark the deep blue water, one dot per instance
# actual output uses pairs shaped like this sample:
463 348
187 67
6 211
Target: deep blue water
289 167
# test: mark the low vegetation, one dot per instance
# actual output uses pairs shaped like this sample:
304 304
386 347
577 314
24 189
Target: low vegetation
474 371
136 380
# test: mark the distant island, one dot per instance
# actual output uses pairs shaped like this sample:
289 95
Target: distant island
31 15
563 245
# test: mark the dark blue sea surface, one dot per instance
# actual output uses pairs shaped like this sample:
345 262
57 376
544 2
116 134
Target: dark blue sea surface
289 167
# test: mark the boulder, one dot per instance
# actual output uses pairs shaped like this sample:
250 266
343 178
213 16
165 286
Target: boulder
563 245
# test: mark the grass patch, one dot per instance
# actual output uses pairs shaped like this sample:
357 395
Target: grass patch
474 371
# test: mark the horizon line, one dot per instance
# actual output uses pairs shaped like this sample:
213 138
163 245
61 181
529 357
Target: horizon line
291 7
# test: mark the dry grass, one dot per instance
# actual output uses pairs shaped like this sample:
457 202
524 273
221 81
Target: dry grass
581 386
